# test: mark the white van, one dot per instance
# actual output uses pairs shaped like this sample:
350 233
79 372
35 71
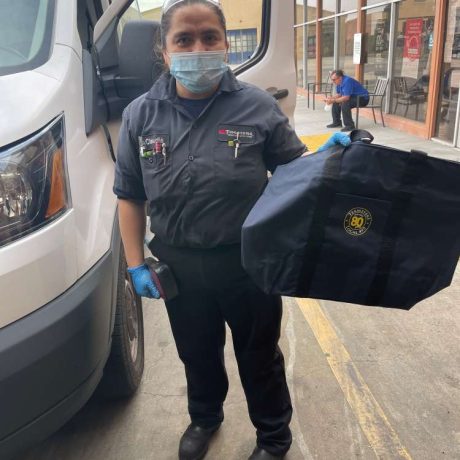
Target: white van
69 319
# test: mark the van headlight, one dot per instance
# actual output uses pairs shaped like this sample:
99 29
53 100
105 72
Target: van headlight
33 182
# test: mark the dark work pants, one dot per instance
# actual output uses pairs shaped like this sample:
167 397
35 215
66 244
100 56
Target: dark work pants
344 108
214 290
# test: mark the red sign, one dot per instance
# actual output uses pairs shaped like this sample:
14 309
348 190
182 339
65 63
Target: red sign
413 39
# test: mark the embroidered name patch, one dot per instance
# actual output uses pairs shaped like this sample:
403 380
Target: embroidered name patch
242 134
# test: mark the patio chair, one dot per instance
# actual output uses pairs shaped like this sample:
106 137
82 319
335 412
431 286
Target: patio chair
405 97
319 88
376 99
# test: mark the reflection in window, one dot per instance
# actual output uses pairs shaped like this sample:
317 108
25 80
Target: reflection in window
311 53
347 29
412 58
311 9
243 43
299 49
327 47
347 5
329 7
299 17
450 83
377 42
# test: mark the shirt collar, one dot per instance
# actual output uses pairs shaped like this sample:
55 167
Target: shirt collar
165 87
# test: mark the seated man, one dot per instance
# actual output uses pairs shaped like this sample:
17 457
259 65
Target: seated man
347 90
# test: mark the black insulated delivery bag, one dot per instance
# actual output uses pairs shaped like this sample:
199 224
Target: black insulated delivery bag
365 224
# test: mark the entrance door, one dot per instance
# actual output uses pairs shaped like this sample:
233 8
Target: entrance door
447 116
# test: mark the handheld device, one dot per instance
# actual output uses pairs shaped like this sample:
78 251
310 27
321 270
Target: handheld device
163 278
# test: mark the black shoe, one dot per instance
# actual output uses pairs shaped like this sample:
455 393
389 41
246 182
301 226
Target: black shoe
345 129
262 454
334 125
194 442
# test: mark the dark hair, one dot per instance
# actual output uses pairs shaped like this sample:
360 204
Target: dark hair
338 72
165 24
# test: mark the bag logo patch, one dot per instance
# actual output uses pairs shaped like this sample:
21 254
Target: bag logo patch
357 221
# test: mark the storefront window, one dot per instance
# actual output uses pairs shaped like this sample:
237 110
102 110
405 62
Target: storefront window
347 29
412 58
311 9
327 46
450 77
376 43
299 50
299 12
347 5
311 53
329 7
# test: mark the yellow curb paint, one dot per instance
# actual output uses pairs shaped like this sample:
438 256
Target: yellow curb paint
373 421
314 141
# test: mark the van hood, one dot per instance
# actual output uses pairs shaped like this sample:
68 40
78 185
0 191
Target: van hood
29 100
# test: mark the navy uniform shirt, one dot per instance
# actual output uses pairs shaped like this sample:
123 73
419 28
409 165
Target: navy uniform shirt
201 176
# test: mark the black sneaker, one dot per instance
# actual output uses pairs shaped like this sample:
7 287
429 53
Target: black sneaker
334 125
345 129
194 442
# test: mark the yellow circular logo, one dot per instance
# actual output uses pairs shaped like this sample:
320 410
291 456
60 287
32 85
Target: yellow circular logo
357 221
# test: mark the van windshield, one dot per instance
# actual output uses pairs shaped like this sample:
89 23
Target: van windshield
26 29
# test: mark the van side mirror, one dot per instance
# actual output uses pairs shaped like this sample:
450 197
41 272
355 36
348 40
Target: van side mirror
114 75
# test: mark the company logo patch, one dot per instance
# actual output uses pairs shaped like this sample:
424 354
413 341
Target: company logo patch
243 134
357 221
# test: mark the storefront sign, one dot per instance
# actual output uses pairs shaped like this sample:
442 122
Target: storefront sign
412 47
413 39
357 48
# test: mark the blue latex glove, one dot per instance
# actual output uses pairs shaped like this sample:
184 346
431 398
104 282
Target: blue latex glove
143 282
336 139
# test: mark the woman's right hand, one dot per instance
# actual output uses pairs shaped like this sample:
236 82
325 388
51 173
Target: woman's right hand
143 282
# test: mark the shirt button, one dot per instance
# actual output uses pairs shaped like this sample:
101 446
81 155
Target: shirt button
191 157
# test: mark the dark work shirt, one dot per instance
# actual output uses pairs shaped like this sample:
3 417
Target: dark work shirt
201 176
351 87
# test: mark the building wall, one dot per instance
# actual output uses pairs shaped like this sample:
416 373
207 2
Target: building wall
251 18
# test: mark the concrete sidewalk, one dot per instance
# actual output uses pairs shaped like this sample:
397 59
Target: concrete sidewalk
309 121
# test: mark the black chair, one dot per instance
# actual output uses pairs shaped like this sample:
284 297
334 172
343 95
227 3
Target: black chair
407 97
319 88
376 99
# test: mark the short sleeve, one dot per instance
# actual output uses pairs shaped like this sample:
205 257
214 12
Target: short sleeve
282 144
128 174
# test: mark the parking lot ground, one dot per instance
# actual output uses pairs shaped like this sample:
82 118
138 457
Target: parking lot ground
366 382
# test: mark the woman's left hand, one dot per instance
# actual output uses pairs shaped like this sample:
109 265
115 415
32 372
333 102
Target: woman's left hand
336 139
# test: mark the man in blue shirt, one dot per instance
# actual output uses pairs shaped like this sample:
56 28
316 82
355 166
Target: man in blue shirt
348 89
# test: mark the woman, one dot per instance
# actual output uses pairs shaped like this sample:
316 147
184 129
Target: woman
197 147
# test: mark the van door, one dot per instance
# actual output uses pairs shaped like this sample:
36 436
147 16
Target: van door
261 39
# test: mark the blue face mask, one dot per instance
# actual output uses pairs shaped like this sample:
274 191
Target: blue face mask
200 72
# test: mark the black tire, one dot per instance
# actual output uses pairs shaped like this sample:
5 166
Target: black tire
125 366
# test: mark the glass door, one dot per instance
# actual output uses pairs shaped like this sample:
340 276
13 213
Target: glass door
447 116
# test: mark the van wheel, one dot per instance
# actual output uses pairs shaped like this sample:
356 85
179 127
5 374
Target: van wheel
125 366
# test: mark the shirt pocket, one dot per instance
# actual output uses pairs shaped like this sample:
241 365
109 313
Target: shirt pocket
156 172
240 171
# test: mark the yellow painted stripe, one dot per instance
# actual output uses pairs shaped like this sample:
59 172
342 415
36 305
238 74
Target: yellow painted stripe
314 141
373 421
